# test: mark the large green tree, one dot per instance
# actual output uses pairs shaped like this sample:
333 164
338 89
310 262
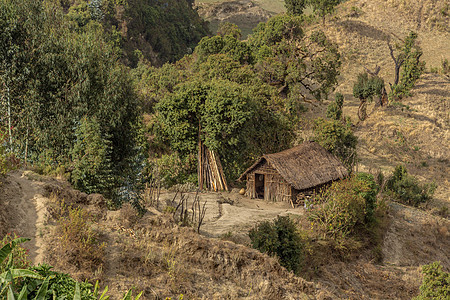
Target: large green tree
300 65
53 74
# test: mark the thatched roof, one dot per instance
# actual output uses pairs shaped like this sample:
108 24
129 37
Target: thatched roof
304 166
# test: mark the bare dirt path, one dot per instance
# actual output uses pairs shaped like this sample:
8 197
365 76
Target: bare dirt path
24 209
231 213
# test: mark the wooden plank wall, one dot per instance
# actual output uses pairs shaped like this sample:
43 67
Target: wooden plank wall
276 189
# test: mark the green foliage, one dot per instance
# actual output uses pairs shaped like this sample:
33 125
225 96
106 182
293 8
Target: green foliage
5 165
18 256
334 109
346 205
40 282
411 67
90 155
227 28
227 44
59 75
323 7
160 31
295 7
436 283
298 64
369 193
61 285
406 188
279 238
366 87
337 138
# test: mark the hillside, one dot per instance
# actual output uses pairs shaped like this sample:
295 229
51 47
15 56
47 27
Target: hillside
154 252
160 31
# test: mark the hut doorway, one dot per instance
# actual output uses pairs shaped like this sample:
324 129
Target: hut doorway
259 185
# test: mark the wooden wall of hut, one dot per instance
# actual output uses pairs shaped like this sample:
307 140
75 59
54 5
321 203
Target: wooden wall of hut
275 188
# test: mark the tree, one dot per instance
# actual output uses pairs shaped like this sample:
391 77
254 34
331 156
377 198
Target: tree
295 7
345 206
323 7
334 110
337 138
364 89
58 74
223 115
279 238
92 170
296 63
227 28
408 67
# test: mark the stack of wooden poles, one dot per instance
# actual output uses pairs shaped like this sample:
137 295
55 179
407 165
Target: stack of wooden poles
210 171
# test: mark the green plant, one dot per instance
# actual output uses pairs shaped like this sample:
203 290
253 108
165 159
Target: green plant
91 159
436 283
12 276
364 89
406 188
337 138
408 66
279 238
345 206
19 255
334 110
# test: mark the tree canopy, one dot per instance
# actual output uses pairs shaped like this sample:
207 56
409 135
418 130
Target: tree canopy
240 98
54 75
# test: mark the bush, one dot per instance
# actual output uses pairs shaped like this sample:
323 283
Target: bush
78 244
346 205
60 284
334 110
337 138
407 189
436 283
92 171
279 238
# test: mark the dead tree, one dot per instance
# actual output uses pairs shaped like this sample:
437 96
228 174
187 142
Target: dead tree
183 204
198 212
398 61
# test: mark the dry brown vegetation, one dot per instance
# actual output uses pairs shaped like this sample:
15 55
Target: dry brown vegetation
157 256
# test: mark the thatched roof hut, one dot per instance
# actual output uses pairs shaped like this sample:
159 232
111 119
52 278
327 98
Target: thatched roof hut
282 176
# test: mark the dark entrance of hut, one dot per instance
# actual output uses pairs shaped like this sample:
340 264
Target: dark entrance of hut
259 186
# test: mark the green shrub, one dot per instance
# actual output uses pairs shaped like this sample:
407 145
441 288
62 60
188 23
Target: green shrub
406 188
60 284
344 206
279 238
334 110
92 171
436 283
337 138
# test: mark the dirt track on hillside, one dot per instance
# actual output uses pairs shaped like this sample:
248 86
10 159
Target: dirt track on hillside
24 211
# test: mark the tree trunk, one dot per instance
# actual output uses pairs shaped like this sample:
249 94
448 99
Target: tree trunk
362 110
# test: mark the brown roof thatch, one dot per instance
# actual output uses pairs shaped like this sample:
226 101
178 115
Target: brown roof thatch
304 166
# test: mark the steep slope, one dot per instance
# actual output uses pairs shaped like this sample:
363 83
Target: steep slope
161 31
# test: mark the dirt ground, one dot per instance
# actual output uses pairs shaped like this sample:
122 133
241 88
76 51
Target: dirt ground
229 213
157 256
